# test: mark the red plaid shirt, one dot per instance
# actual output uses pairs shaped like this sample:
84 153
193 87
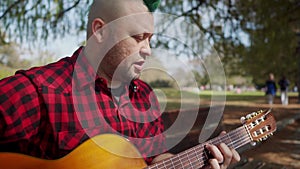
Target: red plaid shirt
48 111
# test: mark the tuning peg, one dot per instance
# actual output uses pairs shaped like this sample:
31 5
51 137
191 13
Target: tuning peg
248 116
255 113
243 120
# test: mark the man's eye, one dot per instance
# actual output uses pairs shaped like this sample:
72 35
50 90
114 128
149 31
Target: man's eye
143 36
138 37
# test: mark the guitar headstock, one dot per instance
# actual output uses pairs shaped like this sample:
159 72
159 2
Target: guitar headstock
260 125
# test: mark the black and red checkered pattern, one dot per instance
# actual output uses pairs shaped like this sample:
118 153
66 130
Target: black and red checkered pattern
48 111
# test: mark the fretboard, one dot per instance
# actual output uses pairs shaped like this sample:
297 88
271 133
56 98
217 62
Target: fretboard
197 157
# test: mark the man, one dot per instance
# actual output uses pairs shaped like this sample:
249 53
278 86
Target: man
270 89
48 111
284 87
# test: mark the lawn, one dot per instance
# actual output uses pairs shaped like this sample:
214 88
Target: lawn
173 98
6 71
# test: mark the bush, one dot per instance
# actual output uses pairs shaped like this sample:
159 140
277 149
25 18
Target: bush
160 83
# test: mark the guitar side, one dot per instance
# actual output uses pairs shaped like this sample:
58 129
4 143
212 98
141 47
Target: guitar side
103 151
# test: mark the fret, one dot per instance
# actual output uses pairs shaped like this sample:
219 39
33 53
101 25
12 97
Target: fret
197 156
164 164
230 140
234 139
219 140
188 158
181 162
183 158
172 162
205 154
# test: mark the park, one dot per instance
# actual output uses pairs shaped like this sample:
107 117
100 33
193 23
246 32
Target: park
210 64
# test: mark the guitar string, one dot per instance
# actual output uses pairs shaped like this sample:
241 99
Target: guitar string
195 161
215 141
233 133
240 142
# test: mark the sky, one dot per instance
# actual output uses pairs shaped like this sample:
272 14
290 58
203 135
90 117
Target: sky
65 46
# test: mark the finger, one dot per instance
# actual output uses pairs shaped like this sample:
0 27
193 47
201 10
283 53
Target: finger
214 164
215 152
235 156
222 133
227 154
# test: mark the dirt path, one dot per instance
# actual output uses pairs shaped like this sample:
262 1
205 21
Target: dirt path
281 150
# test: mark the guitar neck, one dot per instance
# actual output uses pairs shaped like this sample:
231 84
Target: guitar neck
197 157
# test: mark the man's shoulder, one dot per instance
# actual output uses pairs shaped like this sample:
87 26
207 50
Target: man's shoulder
52 74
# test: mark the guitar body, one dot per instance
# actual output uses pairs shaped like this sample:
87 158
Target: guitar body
100 152
115 152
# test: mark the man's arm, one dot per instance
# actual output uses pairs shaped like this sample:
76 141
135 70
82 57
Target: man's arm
19 107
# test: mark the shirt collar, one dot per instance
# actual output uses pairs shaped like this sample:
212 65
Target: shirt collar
84 74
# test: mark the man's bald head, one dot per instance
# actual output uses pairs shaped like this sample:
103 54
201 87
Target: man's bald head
109 10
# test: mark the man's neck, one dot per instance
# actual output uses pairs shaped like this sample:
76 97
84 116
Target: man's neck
111 83
114 84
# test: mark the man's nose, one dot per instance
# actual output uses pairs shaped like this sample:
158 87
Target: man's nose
145 49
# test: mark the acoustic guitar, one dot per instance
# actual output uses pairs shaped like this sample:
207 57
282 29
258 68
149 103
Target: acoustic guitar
105 151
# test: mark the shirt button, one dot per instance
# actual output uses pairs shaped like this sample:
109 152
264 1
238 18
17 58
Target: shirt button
135 88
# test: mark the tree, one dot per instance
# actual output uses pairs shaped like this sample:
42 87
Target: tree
10 56
273 27
253 38
15 57
43 57
32 19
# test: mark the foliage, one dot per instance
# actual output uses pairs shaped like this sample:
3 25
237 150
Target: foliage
160 83
202 80
43 57
31 19
272 27
10 56
253 38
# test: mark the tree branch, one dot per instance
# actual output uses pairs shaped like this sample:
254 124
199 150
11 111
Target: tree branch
68 9
9 8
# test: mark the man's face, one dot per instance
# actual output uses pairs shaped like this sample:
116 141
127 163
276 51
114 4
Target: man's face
124 61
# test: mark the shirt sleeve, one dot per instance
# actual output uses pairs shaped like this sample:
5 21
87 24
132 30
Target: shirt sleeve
19 109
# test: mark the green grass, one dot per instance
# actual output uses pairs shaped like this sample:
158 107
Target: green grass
5 71
174 97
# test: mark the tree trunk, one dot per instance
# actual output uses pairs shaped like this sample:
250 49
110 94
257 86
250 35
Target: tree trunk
298 59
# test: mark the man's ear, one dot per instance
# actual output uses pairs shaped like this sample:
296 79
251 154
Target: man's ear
97 26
